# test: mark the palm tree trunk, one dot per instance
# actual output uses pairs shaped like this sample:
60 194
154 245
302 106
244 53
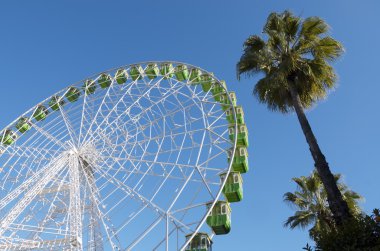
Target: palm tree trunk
337 205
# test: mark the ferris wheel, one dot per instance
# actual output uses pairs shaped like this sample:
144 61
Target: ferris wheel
134 158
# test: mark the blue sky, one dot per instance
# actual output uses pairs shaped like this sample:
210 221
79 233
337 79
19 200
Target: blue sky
46 46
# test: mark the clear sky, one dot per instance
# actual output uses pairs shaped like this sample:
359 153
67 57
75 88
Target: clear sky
47 45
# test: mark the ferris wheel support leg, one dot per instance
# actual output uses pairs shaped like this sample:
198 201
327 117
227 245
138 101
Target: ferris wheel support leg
96 239
75 209
28 197
95 200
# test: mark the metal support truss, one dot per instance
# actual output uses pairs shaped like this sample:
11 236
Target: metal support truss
75 208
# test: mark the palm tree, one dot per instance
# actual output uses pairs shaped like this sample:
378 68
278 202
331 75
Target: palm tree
310 200
295 61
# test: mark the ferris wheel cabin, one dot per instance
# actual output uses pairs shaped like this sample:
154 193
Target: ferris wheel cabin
121 76
89 86
242 134
56 102
23 124
233 189
200 242
72 94
105 80
219 218
240 160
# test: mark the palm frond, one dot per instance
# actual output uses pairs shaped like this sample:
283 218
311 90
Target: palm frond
292 25
312 27
327 48
300 219
274 24
253 42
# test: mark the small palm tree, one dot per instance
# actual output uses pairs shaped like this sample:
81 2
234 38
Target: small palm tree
295 63
310 201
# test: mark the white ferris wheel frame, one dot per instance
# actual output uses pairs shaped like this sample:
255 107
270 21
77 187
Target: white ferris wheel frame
57 167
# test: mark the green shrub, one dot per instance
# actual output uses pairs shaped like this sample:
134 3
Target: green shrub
361 233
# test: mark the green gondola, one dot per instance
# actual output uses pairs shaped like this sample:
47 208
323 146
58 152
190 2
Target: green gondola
8 137
220 217
40 113
166 70
136 72
225 101
72 94
200 242
105 80
240 161
121 76
181 72
233 189
56 102
242 135
195 76
23 124
239 115
89 86
218 88
207 81
152 71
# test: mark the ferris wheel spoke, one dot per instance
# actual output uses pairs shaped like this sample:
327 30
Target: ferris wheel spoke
24 151
219 136
69 126
96 114
82 118
49 136
129 190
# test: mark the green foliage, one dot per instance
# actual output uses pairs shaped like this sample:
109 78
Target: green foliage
310 201
296 52
308 248
361 233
